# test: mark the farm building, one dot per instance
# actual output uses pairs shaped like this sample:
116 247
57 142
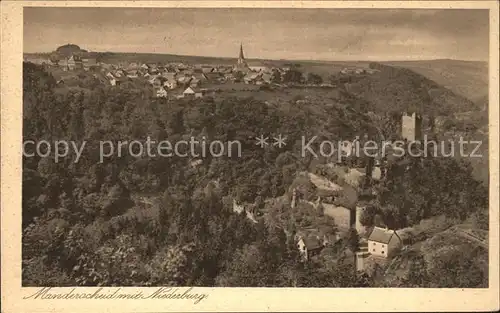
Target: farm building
193 92
383 242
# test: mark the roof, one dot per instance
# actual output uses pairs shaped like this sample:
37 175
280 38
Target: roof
101 77
184 79
162 88
208 69
159 78
312 243
323 183
252 75
90 62
213 75
258 68
381 235
169 75
121 79
200 76
193 89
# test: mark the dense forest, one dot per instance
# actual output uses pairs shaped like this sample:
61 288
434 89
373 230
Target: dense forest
84 222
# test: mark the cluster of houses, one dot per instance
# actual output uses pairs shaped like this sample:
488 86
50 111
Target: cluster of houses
188 78
376 244
75 62
357 70
377 248
176 78
192 80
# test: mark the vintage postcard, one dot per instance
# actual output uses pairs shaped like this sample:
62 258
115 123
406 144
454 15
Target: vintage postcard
219 156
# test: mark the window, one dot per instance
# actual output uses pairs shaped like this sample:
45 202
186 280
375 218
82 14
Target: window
374 243
383 252
383 246
373 250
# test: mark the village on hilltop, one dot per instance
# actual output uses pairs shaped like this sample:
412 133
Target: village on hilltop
177 79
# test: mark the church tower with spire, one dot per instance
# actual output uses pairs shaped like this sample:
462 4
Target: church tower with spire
241 57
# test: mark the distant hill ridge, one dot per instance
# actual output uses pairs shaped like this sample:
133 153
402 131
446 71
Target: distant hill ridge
466 78
401 89
69 49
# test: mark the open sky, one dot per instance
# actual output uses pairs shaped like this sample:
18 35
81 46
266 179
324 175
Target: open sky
303 34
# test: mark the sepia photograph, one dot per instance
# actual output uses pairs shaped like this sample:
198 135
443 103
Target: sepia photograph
190 148
200 147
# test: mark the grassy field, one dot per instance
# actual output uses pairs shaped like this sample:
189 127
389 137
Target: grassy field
275 96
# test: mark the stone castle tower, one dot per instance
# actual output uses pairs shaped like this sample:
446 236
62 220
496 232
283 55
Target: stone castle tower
241 57
411 127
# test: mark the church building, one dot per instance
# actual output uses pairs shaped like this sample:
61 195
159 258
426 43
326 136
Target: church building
242 65
241 58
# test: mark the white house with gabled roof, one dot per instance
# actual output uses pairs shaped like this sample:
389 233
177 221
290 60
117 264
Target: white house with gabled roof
193 92
383 242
